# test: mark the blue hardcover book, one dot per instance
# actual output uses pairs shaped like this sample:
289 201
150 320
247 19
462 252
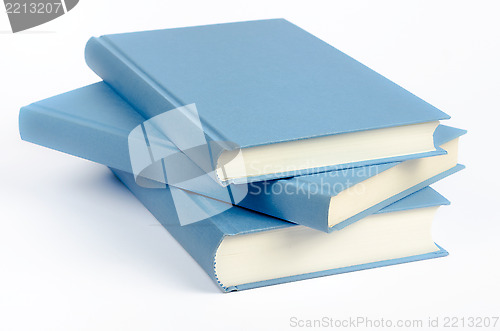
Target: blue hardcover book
240 249
94 123
263 99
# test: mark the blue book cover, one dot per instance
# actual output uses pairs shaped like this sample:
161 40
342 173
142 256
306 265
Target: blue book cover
259 86
294 247
94 123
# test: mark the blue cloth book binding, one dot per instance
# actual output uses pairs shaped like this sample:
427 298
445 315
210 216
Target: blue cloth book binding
266 98
93 122
240 249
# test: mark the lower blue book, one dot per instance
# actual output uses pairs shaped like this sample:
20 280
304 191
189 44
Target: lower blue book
241 249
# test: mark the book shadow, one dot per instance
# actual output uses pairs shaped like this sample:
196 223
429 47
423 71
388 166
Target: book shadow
154 250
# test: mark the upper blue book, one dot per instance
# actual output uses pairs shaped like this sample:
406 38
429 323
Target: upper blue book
274 100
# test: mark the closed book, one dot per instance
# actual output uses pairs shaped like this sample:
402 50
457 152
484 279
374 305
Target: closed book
93 122
240 249
268 99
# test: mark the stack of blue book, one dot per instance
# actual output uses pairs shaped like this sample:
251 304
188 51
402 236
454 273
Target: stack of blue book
269 155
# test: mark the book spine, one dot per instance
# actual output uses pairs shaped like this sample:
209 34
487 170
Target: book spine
292 199
67 133
201 240
133 84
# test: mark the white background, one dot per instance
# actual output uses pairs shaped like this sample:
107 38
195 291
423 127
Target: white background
78 252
